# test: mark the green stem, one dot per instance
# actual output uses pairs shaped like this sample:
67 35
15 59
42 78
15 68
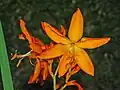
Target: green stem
54 82
63 87
54 78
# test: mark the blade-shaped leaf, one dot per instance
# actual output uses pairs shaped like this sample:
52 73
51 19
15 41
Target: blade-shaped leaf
4 63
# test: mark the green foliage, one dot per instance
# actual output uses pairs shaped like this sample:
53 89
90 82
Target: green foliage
4 63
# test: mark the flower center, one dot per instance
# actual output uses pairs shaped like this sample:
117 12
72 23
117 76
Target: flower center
73 48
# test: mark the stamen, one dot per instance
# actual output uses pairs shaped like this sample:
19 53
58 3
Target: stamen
25 55
22 57
31 62
19 62
14 56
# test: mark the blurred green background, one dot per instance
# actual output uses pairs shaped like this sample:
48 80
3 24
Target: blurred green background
101 18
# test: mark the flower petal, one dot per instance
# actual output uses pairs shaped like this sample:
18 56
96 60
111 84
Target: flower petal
84 62
36 48
35 43
30 79
76 27
45 70
50 67
24 30
90 43
33 55
36 72
63 30
21 36
55 51
73 82
75 70
54 34
72 72
64 64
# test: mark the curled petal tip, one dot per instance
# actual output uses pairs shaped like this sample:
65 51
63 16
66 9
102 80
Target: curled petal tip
42 24
92 73
22 22
108 38
78 9
63 30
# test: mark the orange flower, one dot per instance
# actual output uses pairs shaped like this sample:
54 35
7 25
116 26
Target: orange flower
34 43
72 47
42 67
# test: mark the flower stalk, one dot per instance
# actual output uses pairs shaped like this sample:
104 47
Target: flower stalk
54 78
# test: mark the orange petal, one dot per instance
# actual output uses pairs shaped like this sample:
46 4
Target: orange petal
54 34
24 30
73 82
33 55
76 27
45 24
42 25
45 70
37 41
90 43
63 30
35 47
50 70
72 72
30 38
84 62
29 82
21 36
51 44
36 72
55 51
50 61
64 64
36 81
75 70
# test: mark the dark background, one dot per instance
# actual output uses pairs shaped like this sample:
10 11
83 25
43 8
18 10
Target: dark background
101 18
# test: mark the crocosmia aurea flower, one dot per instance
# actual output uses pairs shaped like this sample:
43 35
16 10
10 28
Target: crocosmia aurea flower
71 48
42 67
66 49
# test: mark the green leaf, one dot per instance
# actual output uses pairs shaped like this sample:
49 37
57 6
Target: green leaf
4 63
